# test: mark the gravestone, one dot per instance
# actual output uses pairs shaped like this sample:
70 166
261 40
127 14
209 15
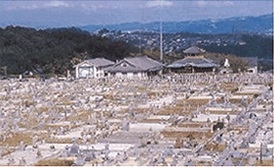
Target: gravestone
125 125
22 162
106 150
11 161
74 149
244 143
34 140
174 161
66 151
80 160
265 151
125 156
228 117
252 139
39 154
236 153
228 162
22 146
219 138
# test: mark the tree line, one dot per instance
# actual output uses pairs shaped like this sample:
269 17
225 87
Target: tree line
53 51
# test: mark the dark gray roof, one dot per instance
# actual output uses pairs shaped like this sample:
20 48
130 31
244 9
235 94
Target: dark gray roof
145 63
136 64
123 66
98 62
194 61
251 61
194 50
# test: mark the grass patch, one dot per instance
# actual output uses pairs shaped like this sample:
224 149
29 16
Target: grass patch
229 87
7 152
268 162
16 138
54 162
178 134
215 147
191 125
151 121
223 112
59 141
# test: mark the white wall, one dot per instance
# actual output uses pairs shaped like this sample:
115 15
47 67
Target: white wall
89 72
85 71
130 75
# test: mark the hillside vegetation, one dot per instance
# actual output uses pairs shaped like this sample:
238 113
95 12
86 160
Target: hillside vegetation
53 51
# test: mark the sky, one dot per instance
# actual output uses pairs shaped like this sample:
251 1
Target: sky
58 13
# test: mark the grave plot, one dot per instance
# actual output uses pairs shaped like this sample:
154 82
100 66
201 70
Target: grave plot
124 122
229 87
252 89
182 107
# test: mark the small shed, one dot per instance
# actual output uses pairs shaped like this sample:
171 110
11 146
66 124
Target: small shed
92 68
252 64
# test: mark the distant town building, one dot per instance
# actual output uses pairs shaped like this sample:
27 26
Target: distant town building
193 64
92 68
141 67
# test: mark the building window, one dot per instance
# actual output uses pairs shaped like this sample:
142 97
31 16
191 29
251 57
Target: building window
124 65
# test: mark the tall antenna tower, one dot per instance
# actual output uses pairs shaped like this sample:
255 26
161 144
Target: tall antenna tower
161 41
161 33
140 41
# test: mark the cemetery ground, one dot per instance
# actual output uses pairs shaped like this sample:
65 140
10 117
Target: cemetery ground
177 120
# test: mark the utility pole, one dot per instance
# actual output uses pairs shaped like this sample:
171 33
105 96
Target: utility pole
161 42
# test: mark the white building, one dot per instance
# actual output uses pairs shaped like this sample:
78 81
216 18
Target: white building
92 68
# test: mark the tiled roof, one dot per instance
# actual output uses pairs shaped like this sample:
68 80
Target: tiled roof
193 61
123 66
98 62
136 64
194 50
145 63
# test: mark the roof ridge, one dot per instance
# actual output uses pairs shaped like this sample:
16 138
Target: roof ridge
126 59
153 60
196 57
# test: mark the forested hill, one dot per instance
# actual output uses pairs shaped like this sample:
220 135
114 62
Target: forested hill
54 50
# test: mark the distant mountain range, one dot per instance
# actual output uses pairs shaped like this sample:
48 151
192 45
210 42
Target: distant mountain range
252 24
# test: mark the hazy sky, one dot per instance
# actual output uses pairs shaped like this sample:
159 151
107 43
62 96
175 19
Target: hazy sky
74 13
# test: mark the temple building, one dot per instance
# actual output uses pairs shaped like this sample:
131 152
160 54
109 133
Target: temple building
192 64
